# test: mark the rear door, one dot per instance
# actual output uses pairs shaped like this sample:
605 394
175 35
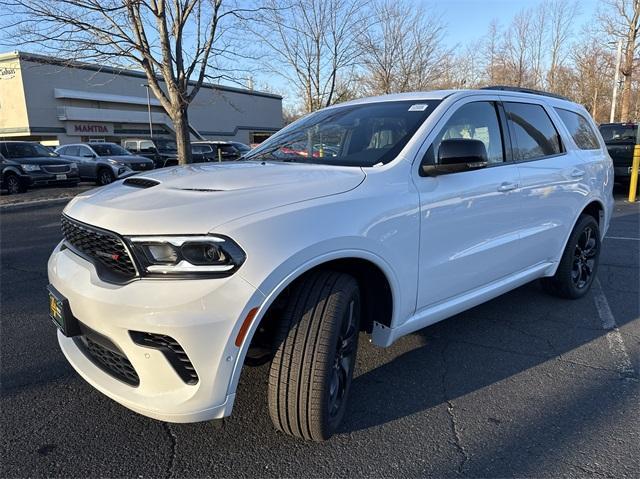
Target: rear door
469 221
88 162
552 177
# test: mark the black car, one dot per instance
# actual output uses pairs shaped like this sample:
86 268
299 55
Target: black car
13 178
163 152
205 151
620 139
43 166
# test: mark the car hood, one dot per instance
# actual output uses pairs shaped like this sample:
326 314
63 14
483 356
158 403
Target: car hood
196 198
41 160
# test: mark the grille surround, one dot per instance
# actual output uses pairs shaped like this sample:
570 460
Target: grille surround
107 251
173 352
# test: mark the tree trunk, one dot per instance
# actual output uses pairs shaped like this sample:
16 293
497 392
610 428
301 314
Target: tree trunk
183 136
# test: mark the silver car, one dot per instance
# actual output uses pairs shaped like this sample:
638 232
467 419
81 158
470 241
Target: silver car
104 162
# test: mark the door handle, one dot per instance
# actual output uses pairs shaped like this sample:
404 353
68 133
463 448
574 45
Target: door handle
577 174
506 186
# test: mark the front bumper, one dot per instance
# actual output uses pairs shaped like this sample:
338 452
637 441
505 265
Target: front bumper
41 178
203 316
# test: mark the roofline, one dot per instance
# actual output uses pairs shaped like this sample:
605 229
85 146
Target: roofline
35 57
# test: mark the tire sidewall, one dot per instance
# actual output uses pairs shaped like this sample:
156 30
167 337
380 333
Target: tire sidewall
13 184
584 222
102 175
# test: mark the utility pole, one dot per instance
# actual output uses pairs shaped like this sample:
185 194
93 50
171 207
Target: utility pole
616 81
146 85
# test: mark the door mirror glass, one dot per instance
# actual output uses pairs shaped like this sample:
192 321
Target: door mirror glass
457 155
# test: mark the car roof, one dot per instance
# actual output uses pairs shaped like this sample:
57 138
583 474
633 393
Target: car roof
551 99
208 142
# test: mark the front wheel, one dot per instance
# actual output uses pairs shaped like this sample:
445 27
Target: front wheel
105 176
317 341
579 262
13 183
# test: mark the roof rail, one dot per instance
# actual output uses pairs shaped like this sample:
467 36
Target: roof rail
524 90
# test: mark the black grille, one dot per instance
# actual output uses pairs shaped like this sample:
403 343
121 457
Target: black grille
141 182
56 168
140 166
171 350
104 248
104 354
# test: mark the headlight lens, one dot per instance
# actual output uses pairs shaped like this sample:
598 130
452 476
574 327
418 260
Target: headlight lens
187 255
73 166
30 167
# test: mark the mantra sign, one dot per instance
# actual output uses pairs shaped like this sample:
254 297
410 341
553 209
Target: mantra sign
87 129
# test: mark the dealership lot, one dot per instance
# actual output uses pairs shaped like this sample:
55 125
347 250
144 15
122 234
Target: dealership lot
525 385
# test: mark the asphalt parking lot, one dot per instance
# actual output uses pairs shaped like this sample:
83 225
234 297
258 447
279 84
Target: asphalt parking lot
525 385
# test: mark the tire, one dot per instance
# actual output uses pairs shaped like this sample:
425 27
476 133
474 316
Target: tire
13 184
579 263
105 176
312 368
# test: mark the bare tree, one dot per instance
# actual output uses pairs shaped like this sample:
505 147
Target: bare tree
150 34
517 49
402 50
621 20
311 43
561 16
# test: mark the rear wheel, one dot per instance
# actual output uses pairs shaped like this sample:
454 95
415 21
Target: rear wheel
579 262
317 341
105 176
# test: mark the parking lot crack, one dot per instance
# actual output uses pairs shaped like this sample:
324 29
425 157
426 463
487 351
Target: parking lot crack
453 422
174 445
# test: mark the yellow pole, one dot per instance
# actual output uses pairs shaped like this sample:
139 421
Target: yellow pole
633 181
220 154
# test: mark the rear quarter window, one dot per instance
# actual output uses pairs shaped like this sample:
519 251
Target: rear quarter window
532 132
579 129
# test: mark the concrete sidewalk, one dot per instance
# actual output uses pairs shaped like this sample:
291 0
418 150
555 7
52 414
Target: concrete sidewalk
44 194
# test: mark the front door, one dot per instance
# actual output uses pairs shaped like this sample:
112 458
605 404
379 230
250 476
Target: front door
469 220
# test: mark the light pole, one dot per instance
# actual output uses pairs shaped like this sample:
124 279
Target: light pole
146 85
616 80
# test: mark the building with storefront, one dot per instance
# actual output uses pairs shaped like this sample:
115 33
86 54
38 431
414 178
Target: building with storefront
57 102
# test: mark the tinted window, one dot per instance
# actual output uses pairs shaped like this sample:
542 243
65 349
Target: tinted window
532 131
109 149
474 121
352 135
72 151
580 129
619 133
200 149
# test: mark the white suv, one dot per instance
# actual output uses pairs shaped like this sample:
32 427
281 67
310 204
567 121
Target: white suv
382 215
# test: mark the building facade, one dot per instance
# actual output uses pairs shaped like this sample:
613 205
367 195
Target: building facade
57 102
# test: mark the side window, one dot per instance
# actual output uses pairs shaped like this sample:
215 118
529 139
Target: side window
474 121
532 131
63 150
84 152
579 128
72 151
130 145
146 145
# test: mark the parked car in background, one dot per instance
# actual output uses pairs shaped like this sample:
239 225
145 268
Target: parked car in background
204 151
163 152
429 204
620 139
13 178
43 166
241 147
104 162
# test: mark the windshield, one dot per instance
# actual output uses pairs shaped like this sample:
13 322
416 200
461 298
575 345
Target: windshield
26 150
619 133
166 145
109 149
355 135
241 147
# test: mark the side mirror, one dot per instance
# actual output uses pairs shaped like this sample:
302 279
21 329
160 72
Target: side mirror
457 155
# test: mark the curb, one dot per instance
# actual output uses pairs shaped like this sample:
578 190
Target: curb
34 203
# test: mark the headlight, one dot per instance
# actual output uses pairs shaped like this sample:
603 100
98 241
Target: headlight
187 255
30 167
73 166
114 162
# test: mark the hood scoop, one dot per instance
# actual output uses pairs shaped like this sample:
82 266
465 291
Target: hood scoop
140 182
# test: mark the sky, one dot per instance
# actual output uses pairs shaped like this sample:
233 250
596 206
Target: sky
468 20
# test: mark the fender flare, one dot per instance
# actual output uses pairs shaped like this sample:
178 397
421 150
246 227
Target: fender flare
267 299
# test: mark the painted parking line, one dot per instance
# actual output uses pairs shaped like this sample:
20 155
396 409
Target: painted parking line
623 238
616 343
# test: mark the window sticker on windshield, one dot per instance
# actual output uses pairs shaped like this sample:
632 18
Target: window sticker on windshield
418 107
